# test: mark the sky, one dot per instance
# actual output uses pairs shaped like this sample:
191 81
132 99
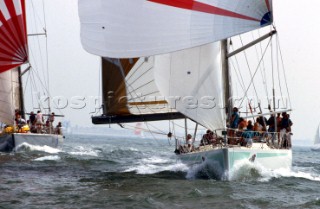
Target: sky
75 74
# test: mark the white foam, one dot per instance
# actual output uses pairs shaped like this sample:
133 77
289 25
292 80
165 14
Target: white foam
46 158
156 164
28 147
297 174
155 160
85 151
245 170
152 169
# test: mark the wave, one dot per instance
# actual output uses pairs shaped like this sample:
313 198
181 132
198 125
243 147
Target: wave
25 147
82 151
47 158
297 173
206 170
245 170
156 164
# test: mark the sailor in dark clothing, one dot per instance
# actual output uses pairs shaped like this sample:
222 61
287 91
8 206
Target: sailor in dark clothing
32 118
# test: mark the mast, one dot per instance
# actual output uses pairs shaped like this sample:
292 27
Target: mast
226 78
21 99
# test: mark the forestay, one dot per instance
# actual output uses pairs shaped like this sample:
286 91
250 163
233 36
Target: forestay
137 28
191 81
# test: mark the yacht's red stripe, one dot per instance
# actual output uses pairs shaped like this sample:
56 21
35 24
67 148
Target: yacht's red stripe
201 7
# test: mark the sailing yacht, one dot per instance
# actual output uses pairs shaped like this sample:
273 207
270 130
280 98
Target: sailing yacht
169 60
316 143
13 54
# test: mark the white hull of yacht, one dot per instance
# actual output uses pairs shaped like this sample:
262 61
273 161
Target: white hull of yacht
51 140
10 142
225 159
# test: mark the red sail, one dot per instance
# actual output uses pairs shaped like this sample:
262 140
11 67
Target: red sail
13 35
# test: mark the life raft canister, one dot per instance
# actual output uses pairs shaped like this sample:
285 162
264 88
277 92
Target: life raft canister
8 129
24 129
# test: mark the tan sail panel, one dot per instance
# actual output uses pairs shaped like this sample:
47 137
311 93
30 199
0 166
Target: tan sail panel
114 72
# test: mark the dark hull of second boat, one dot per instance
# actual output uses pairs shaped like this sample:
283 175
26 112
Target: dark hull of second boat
7 143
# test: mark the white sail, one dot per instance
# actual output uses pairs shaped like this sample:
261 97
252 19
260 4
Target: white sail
142 92
191 80
129 87
137 28
317 137
9 95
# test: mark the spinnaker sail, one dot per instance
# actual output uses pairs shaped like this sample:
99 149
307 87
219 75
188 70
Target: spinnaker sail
137 28
13 35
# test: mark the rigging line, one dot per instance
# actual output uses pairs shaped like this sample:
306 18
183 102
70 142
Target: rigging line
139 97
243 87
238 73
142 96
256 71
46 48
143 85
284 71
137 67
131 127
128 84
278 69
36 73
31 88
200 129
246 58
152 134
34 13
161 131
39 49
239 76
175 133
263 71
272 69
144 73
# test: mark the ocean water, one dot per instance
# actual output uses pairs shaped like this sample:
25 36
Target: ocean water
101 171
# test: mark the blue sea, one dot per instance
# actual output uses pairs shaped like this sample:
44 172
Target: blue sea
105 171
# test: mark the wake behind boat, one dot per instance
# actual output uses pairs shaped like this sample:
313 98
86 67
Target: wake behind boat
15 54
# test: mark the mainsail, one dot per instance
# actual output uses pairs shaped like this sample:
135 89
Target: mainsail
13 36
317 136
191 80
9 95
137 28
130 93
